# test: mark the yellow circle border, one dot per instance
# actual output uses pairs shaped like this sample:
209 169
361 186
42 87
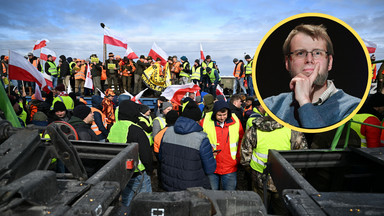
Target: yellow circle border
320 15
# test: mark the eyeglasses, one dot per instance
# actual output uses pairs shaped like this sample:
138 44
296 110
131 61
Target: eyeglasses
301 54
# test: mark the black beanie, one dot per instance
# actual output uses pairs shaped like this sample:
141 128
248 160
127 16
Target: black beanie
192 111
81 111
143 108
59 106
171 117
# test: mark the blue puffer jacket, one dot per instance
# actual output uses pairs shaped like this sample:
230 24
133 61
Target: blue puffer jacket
185 156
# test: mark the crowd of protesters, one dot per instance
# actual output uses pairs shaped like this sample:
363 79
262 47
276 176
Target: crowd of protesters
206 141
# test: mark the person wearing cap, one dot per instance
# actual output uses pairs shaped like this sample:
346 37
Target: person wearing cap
239 75
159 122
80 76
145 121
40 120
207 63
63 96
248 75
186 145
197 73
213 80
141 65
112 66
108 108
175 70
185 70
225 133
52 70
370 113
81 120
126 130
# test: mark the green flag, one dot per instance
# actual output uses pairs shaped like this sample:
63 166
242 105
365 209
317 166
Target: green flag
6 107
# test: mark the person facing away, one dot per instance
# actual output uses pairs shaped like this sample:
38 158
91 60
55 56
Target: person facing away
186 156
126 130
314 101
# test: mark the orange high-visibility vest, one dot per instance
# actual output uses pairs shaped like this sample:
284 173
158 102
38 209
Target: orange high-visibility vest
81 74
237 70
94 126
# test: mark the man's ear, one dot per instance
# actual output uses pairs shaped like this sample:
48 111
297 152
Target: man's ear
287 63
330 62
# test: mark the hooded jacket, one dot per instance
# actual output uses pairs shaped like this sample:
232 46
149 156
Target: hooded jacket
83 130
185 156
224 161
129 111
64 68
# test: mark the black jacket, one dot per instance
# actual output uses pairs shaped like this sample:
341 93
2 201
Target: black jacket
83 130
64 68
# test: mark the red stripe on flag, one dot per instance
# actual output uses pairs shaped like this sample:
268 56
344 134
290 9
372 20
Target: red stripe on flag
179 94
44 57
21 74
154 56
113 41
40 45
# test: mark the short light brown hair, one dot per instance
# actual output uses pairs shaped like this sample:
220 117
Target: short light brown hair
314 31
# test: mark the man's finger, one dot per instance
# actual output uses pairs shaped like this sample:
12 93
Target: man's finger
315 73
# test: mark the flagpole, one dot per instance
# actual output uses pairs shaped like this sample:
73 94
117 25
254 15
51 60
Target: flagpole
9 85
104 45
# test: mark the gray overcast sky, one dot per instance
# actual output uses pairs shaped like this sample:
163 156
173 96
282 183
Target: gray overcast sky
226 29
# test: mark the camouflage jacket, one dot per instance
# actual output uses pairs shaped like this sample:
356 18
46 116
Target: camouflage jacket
249 143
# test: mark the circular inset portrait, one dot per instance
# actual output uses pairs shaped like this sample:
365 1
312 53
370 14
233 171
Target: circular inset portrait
311 72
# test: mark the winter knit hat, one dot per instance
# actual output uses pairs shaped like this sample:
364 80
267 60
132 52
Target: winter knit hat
171 117
208 103
184 58
220 97
165 105
143 108
192 111
59 106
81 111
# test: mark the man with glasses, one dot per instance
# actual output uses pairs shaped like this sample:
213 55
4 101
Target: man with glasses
314 101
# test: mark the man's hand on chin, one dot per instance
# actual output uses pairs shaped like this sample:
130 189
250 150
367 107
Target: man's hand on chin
302 86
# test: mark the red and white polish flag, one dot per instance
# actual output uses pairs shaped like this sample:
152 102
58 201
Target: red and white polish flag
175 93
130 54
370 46
157 52
45 52
113 38
21 69
201 53
138 96
40 44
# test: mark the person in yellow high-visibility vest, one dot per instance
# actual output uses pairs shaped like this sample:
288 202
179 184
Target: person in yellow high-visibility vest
265 134
126 130
225 133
